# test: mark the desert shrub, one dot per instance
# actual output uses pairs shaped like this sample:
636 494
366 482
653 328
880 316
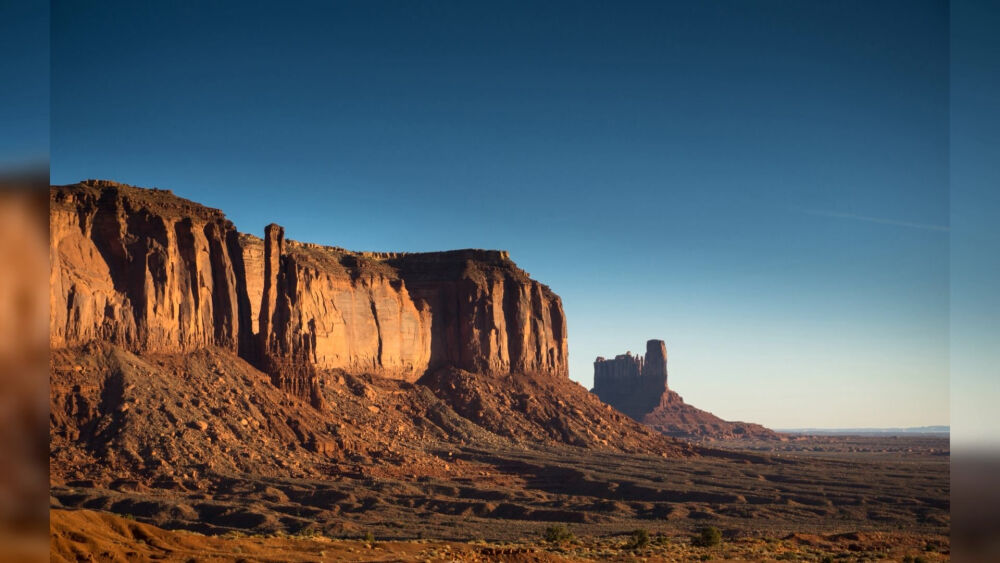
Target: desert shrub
308 533
707 537
639 539
558 533
912 559
369 537
827 559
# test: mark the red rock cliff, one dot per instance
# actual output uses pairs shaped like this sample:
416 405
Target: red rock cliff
488 315
154 272
143 269
402 315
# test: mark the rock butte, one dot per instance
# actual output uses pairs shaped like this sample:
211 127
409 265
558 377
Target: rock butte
637 386
153 272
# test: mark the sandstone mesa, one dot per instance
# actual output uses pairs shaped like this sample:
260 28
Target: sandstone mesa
152 272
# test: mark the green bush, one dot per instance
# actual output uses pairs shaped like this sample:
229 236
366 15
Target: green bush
639 539
369 537
707 537
558 534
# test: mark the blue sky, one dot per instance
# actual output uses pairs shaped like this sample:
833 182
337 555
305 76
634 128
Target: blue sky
975 215
763 185
24 101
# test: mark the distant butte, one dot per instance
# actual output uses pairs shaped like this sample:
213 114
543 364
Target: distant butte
637 386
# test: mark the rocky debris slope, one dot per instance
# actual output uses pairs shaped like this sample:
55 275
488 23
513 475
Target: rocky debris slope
175 418
545 410
673 417
637 386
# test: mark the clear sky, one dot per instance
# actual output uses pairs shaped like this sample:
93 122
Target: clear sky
975 216
24 100
763 185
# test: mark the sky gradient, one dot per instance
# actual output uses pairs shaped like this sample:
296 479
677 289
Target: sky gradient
975 216
763 185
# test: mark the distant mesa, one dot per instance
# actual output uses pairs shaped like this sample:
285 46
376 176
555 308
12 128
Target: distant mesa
637 387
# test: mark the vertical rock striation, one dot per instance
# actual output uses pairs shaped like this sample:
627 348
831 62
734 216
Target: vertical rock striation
143 269
488 315
153 272
403 315
335 310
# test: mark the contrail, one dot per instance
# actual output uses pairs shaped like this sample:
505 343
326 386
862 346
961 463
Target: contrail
883 221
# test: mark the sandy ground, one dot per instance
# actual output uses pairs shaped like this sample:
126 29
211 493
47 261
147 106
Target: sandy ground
84 535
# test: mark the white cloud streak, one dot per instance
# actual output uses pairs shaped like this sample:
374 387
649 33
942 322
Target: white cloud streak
880 220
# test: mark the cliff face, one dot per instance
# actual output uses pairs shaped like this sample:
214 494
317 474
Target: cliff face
340 311
404 315
488 316
154 272
143 269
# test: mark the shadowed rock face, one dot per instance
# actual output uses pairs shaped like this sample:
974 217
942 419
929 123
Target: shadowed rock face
633 384
154 272
637 386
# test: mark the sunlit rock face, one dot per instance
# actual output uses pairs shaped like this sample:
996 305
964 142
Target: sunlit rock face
488 316
153 272
143 269
402 315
